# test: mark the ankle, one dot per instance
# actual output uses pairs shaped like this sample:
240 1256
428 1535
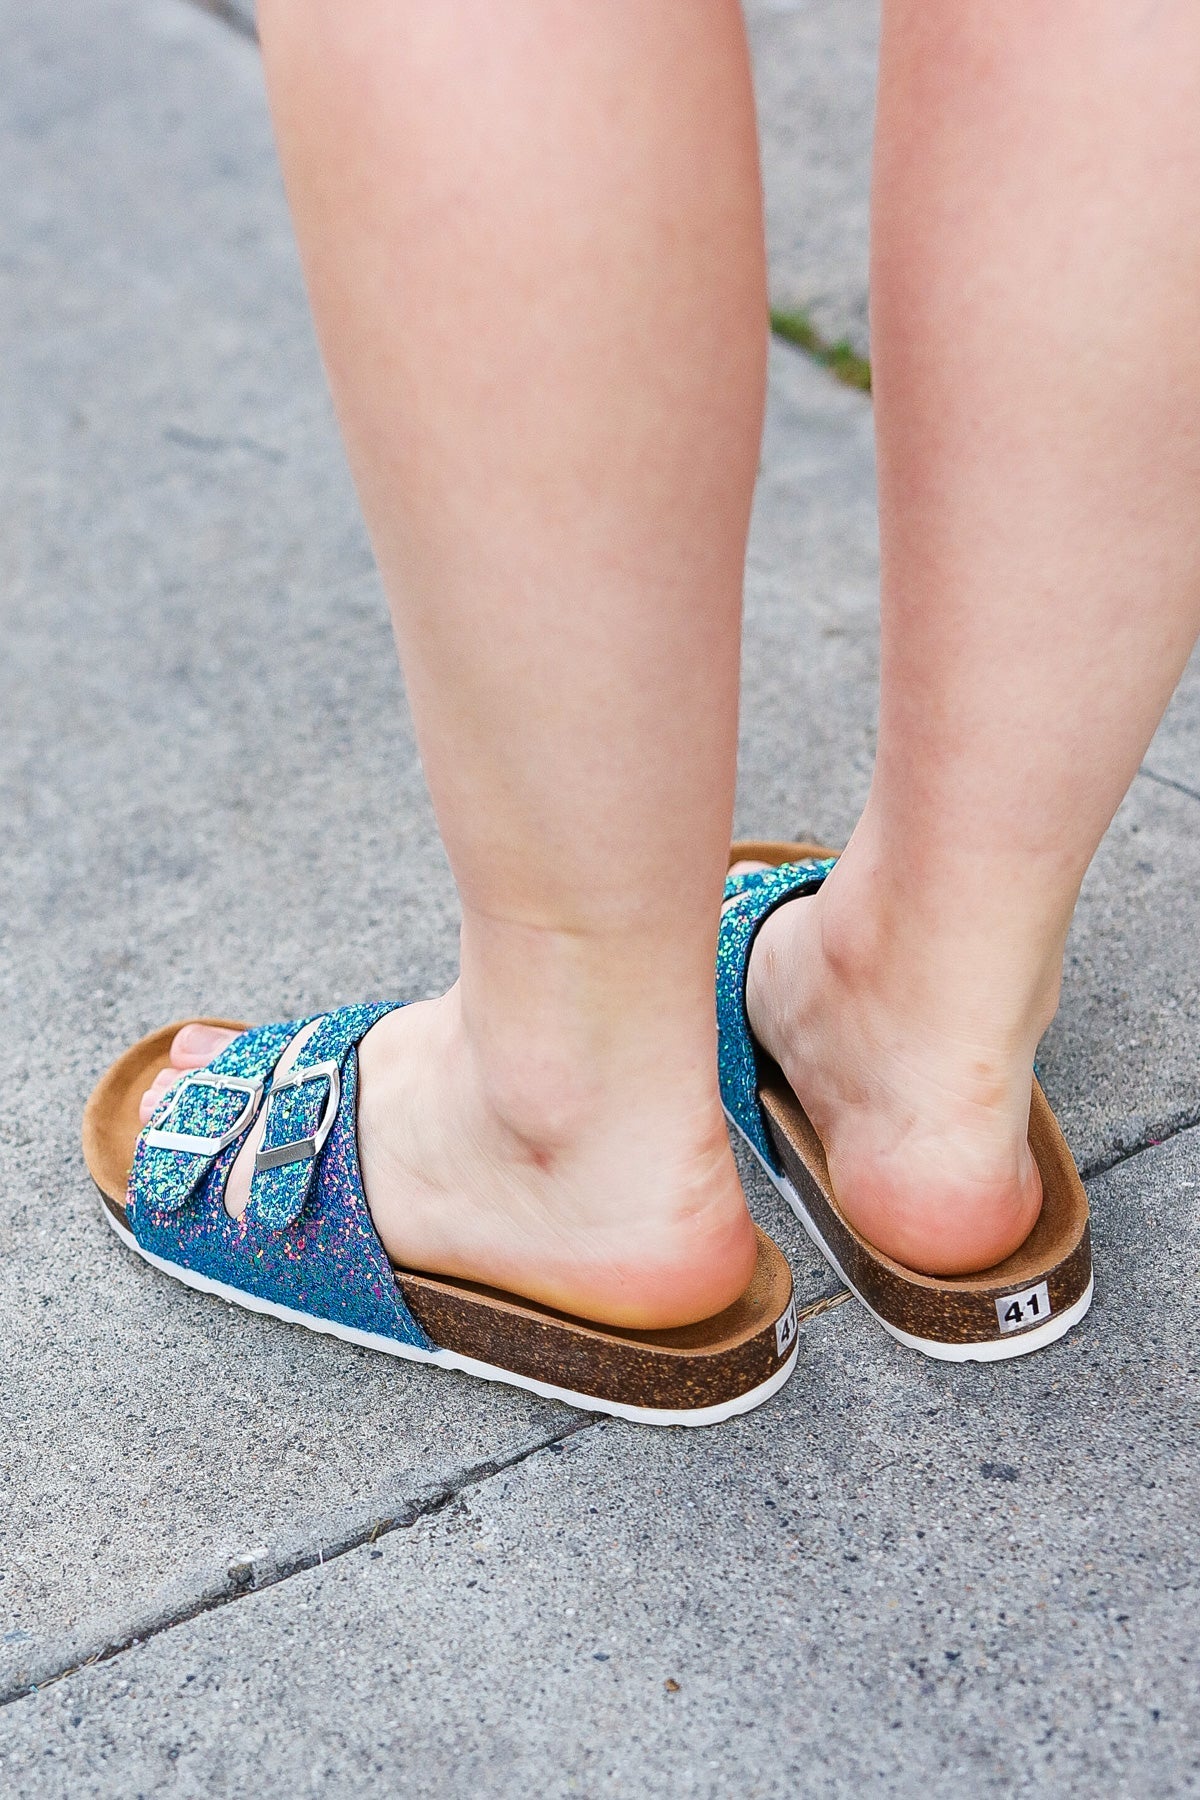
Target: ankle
547 1179
968 965
563 1031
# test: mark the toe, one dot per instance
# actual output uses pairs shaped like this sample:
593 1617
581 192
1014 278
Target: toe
162 1081
195 1045
742 868
192 1047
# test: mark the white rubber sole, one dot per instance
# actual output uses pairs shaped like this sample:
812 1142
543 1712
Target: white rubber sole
1021 1343
450 1359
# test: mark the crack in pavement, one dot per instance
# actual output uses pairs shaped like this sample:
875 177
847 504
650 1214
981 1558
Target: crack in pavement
247 1575
1172 1127
1167 782
244 1577
229 14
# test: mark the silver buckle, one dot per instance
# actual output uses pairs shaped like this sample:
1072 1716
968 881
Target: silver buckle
159 1139
301 1149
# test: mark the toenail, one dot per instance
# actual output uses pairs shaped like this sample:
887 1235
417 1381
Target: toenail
196 1040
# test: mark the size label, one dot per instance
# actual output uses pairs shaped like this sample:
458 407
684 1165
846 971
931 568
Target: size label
1016 1311
785 1329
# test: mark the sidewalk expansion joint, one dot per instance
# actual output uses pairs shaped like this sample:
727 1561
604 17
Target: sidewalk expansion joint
246 1577
1166 781
229 14
1163 1133
243 1579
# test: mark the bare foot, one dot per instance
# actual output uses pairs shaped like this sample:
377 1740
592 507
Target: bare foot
921 1101
624 1208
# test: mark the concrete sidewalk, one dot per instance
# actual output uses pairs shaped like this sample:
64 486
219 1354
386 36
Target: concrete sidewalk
236 1557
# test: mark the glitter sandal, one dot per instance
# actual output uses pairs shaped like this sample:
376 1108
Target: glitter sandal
1031 1298
306 1249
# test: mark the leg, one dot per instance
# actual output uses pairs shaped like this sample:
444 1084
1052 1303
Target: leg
532 234
1036 258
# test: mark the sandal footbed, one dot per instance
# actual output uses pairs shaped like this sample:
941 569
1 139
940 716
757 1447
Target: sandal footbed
775 851
689 1367
957 1309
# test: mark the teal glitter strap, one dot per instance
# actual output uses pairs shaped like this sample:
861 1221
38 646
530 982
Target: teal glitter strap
301 1108
752 898
306 1242
203 1113
751 878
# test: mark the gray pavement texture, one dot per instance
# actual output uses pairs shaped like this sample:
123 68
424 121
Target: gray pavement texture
901 1578
351 1576
814 68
